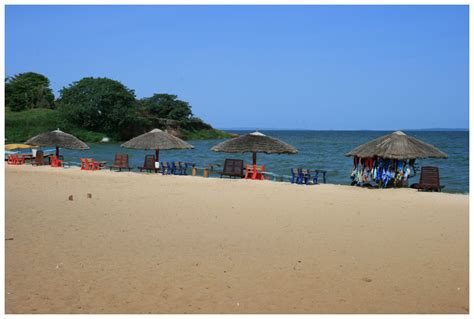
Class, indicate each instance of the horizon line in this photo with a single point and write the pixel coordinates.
(348, 130)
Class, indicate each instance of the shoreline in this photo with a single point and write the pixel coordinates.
(181, 244)
(213, 176)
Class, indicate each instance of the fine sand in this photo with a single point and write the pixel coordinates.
(146, 243)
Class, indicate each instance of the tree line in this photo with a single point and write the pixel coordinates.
(101, 105)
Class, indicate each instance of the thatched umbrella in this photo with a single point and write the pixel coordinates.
(397, 145)
(255, 142)
(58, 139)
(156, 140)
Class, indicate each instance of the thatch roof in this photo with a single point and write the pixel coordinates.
(397, 145)
(58, 138)
(255, 142)
(156, 139)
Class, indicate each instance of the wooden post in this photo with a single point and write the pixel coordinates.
(194, 171)
(206, 172)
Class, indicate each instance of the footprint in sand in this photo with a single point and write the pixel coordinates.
(366, 279)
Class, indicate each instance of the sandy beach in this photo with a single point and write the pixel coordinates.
(146, 243)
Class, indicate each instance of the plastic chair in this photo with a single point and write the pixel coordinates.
(93, 165)
(84, 164)
(56, 162)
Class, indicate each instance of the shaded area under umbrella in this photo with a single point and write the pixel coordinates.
(156, 140)
(254, 143)
(397, 145)
(58, 139)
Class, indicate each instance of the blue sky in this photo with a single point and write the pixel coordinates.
(290, 67)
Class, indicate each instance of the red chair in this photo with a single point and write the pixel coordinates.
(93, 165)
(248, 171)
(56, 162)
(254, 172)
(258, 172)
(15, 159)
(88, 164)
(11, 160)
(84, 164)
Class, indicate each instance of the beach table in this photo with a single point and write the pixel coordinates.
(29, 157)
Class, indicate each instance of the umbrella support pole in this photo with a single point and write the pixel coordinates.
(157, 155)
(254, 158)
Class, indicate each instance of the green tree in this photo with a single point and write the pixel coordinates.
(28, 91)
(100, 105)
(166, 106)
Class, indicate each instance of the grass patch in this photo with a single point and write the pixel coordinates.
(20, 126)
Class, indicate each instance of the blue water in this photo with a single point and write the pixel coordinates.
(317, 150)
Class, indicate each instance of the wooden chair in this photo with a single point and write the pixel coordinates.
(39, 159)
(233, 168)
(149, 164)
(121, 162)
(429, 179)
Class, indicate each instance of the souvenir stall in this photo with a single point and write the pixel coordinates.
(389, 161)
(382, 172)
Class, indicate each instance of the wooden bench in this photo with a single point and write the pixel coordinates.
(120, 162)
(149, 164)
(232, 168)
(429, 179)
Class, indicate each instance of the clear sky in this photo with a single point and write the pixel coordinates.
(291, 67)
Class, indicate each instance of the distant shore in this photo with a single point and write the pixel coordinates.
(146, 243)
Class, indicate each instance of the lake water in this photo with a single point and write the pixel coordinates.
(317, 150)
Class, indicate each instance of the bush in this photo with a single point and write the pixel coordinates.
(99, 105)
(26, 91)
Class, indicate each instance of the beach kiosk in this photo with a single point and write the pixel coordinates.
(388, 161)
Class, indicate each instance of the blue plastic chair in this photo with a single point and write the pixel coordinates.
(165, 168)
(305, 176)
(184, 168)
(315, 177)
(174, 169)
(295, 176)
